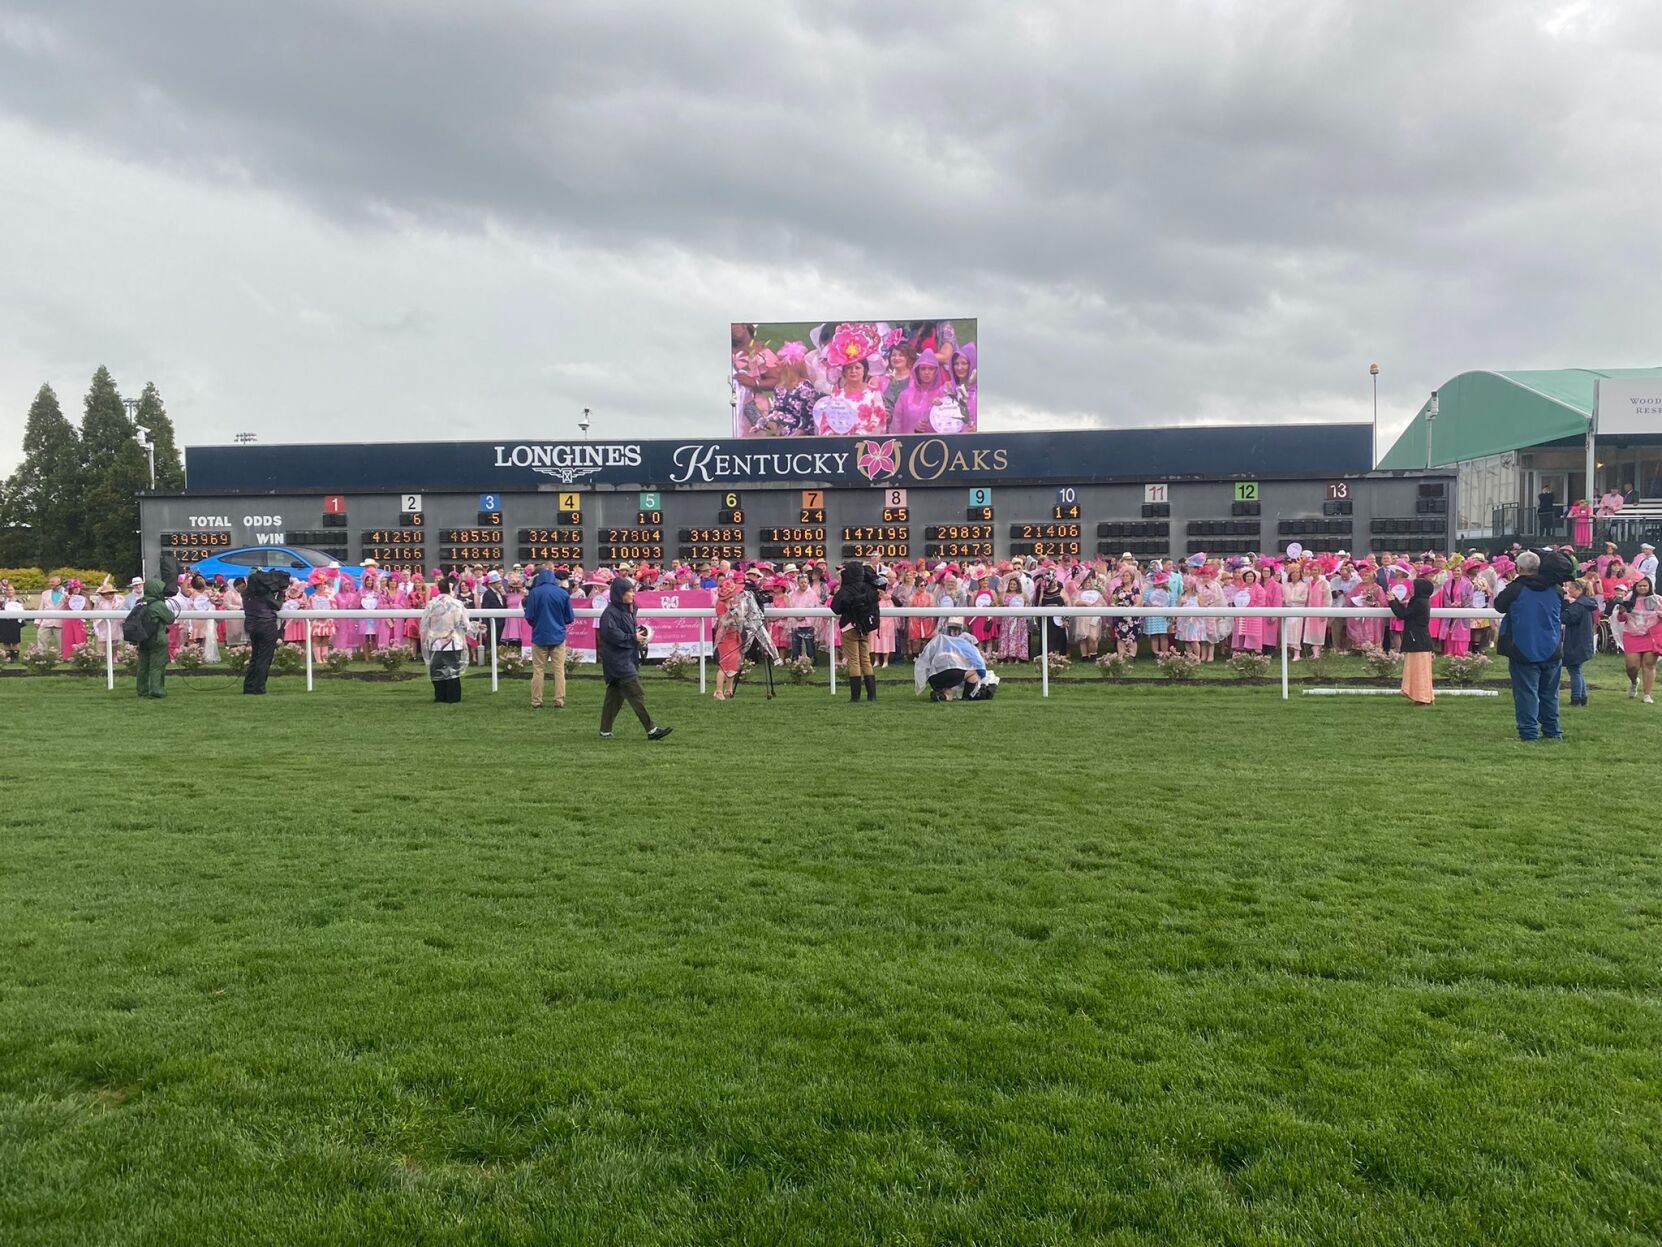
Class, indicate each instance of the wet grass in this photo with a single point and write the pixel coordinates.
(1136, 964)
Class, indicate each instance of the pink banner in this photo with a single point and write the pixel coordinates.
(668, 634)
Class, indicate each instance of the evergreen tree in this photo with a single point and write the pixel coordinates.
(170, 471)
(43, 495)
(116, 470)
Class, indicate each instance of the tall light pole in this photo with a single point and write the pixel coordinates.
(584, 424)
(143, 436)
(1430, 419)
(1373, 371)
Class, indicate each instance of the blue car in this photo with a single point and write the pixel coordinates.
(297, 561)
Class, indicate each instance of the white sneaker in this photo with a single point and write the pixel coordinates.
(1633, 689)
(1649, 700)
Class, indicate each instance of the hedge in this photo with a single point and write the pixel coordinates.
(33, 579)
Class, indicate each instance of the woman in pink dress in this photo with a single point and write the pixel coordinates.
(294, 630)
(1455, 593)
(1321, 595)
(394, 595)
(882, 641)
(853, 409)
(416, 599)
(1639, 620)
(1582, 514)
(323, 630)
(919, 628)
(1273, 596)
(74, 634)
(515, 631)
(1249, 629)
(349, 633)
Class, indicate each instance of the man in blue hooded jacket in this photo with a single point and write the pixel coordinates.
(548, 611)
(1534, 643)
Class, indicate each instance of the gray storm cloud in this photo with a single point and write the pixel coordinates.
(422, 219)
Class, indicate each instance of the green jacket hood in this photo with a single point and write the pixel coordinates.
(153, 590)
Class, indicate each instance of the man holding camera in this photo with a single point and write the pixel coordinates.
(261, 600)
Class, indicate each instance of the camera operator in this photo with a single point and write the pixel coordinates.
(260, 602)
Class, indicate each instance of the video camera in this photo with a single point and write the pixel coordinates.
(268, 584)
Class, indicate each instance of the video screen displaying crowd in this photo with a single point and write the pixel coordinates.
(855, 379)
(1621, 589)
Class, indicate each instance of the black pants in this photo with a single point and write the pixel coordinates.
(447, 690)
(618, 692)
(259, 662)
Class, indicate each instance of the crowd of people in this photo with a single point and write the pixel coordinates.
(856, 379)
(1610, 601)
(1609, 581)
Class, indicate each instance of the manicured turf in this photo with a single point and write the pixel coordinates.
(1137, 964)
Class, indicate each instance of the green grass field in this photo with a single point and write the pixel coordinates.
(1133, 965)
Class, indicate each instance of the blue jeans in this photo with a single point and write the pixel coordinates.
(1578, 682)
(1535, 698)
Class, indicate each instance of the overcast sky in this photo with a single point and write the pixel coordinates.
(414, 219)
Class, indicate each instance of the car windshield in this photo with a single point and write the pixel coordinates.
(315, 557)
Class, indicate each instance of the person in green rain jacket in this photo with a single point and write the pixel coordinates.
(152, 653)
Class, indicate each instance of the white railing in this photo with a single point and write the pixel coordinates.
(785, 612)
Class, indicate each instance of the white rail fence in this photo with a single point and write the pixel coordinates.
(707, 614)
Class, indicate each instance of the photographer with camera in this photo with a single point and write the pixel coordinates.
(261, 599)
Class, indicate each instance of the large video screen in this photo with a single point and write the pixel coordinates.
(853, 378)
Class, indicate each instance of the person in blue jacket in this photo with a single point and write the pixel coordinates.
(620, 639)
(1533, 642)
(548, 611)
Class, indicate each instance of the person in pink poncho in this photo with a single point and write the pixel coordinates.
(914, 410)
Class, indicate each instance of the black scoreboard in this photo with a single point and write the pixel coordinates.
(798, 522)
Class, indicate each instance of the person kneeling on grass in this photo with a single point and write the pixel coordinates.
(620, 640)
(951, 660)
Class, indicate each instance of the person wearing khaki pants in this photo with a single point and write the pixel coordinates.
(540, 656)
(548, 611)
(856, 606)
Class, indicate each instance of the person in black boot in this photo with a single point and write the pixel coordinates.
(260, 603)
(855, 603)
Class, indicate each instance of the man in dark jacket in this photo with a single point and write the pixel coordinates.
(1532, 634)
(260, 604)
(855, 603)
(548, 611)
(619, 640)
(152, 653)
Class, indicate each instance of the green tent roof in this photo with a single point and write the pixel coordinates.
(1486, 413)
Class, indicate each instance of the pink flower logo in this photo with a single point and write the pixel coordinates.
(878, 459)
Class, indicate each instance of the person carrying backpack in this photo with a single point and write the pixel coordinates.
(146, 627)
(857, 610)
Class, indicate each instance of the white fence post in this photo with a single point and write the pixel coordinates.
(308, 655)
(701, 656)
(491, 624)
(109, 654)
(1044, 657)
(833, 655)
(1285, 623)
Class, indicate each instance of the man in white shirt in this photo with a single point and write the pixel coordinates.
(1646, 562)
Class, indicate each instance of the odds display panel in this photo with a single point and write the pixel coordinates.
(600, 527)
